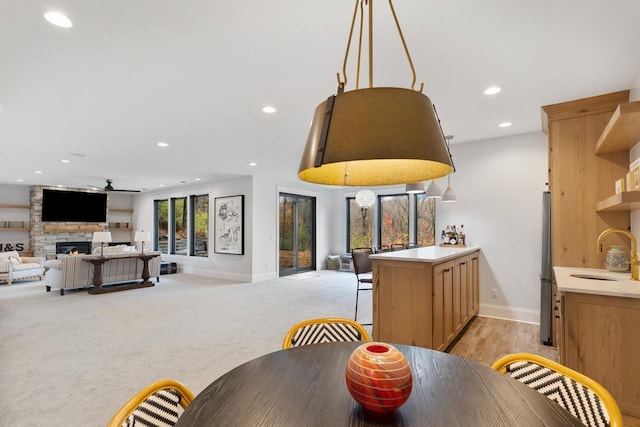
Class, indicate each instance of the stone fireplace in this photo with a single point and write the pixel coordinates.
(45, 238)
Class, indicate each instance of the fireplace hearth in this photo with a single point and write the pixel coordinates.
(69, 247)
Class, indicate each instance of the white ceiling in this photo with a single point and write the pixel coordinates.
(196, 74)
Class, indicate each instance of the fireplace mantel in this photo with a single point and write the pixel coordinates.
(51, 228)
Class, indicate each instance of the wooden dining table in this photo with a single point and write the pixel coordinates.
(305, 386)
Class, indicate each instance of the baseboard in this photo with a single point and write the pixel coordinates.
(189, 269)
(264, 276)
(510, 313)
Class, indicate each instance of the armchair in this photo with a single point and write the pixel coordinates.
(14, 267)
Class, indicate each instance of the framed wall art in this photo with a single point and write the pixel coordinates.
(229, 225)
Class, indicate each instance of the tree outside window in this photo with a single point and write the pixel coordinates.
(162, 226)
(394, 219)
(180, 225)
(200, 220)
(425, 220)
(360, 225)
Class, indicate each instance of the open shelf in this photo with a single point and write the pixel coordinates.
(625, 201)
(121, 210)
(622, 131)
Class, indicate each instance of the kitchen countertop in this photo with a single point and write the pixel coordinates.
(622, 286)
(425, 254)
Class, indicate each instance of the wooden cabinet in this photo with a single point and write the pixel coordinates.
(601, 339)
(402, 302)
(453, 281)
(441, 305)
(579, 178)
(557, 318)
(423, 303)
(473, 284)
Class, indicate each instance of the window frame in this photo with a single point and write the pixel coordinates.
(193, 199)
(380, 214)
(156, 225)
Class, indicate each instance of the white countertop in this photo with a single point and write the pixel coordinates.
(622, 286)
(425, 254)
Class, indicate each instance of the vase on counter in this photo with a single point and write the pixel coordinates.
(617, 259)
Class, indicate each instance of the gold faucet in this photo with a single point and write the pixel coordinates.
(634, 248)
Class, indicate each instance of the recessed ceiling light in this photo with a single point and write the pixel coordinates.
(58, 19)
(77, 155)
(20, 180)
(60, 185)
(162, 144)
(252, 164)
(492, 90)
(196, 179)
(161, 185)
(65, 161)
(505, 124)
(38, 172)
(269, 109)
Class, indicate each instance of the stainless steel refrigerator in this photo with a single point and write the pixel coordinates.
(546, 296)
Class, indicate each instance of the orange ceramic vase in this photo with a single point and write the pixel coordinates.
(379, 377)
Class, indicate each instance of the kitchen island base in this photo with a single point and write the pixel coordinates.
(425, 296)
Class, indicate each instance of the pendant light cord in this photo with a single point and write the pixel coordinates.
(359, 5)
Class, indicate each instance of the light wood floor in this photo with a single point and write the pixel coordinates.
(488, 339)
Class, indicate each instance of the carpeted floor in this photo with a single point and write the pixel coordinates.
(73, 360)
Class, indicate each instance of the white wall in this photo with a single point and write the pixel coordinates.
(234, 267)
(499, 183)
(260, 259)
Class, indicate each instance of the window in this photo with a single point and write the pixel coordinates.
(161, 214)
(393, 219)
(359, 225)
(425, 220)
(179, 216)
(297, 228)
(200, 225)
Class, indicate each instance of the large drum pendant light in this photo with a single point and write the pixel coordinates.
(374, 136)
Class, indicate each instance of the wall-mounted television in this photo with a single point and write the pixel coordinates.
(73, 206)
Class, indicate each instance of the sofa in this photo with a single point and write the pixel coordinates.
(14, 267)
(73, 272)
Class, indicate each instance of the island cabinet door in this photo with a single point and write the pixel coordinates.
(442, 305)
(459, 290)
(473, 284)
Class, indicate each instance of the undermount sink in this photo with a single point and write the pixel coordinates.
(592, 277)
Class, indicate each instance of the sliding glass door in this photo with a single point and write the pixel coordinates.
(297, 229)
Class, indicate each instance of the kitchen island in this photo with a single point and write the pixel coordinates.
(599, 332)
(424, 296)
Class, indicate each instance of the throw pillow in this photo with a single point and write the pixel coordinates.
(9, 255)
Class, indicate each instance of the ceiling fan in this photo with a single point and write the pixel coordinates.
(109, 187)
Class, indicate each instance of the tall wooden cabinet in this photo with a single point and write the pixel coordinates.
(589, 143)
(579, 179)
